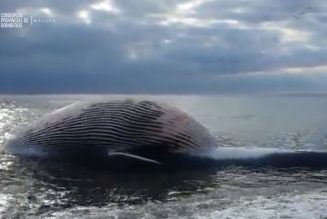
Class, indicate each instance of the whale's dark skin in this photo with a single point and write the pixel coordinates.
(119, 133)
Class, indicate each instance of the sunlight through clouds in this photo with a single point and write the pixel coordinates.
(106, 5)
(47, 11)
(85, 16)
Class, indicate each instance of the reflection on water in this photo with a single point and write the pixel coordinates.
(43, 187)
(33, 188)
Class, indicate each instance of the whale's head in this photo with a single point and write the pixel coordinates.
(19, 145)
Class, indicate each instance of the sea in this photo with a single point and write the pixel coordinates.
(32, 189)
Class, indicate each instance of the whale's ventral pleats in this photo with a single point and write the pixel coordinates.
(144, 131)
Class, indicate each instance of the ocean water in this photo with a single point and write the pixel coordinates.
(32, 189)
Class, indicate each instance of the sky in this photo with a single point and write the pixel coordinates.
(168, 46)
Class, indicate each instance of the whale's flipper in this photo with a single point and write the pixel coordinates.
(133, 156)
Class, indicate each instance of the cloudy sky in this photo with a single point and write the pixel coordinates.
(168, 46)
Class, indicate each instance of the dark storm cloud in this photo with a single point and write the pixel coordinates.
(165, 47)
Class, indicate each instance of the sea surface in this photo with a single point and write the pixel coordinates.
(31, 189)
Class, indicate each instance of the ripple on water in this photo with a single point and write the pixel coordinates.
(4, 202)
(290, 205)
(308, 205)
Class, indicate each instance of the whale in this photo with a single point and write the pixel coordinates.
(138, 134)
(120, 131)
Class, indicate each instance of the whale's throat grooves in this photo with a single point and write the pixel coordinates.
(96, 128)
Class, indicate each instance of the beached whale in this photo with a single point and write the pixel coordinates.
(144, 131)
(133, 133)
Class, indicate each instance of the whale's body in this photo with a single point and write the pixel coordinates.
(131, 133)
(145, 131)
